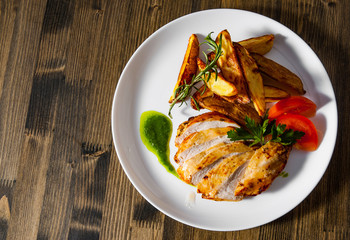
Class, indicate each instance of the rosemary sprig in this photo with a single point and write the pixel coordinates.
(184, 90)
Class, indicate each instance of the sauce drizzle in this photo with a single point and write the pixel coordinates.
(155, 132)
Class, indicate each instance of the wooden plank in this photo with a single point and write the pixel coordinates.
(17, 69)
(8, 16)
(89, 194)
(176, 230)
(4, 216)
(118, 205)
(109, 59)
(53, 109)
(30, 186)
(63, 161)
(77, 167)
(21, 23)
(146, 221)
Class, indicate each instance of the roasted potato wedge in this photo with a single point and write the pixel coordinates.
(202, 93)
(269, 81)
(253, 79)
(273, 94)
(217, 84)
(260, 45)
(230, 66)
(236, 111)
(279, 73)
(189, 65)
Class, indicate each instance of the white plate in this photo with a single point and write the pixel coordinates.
(146, 84)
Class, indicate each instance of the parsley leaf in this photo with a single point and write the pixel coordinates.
(264, 132)
(239, 134)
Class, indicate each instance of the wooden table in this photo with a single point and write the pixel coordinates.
(59, 173)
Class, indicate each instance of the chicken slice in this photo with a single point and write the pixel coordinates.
(265, 165)
(202, 122)
(199, 141)
(227, 191)
(224, 175)
(209, 156)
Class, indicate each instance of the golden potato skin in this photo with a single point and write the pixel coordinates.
(235, 110)
(230, 66)
(279, 73)
(217, 84)
(189, 65)
(274, 94)
(260, 45)
(253, 79)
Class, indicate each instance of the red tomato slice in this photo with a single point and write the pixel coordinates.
(309, 141)
(294, 104)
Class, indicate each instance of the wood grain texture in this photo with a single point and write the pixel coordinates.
(60, 61)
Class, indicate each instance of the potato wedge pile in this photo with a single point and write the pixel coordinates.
(245, 80)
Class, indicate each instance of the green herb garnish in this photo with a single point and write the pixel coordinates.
(283, 174)
(265, 132)
(184, 90)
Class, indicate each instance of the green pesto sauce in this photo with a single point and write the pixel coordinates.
(155, 131)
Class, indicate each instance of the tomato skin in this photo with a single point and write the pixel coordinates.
(295, 105)
(309, 141)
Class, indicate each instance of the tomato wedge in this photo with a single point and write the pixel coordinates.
(309, 141)
(294, 104)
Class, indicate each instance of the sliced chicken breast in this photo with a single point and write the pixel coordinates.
(226, 191)
(220, 168)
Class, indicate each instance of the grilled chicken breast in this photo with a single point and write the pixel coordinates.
(220, 168)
